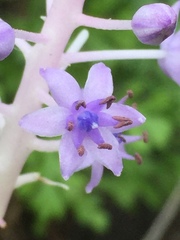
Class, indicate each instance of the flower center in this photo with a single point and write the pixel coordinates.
(87, 121)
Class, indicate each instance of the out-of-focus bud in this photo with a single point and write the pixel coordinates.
(153, 23)
(170, 64)
(7, 39)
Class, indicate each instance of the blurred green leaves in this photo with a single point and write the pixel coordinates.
(157, 98)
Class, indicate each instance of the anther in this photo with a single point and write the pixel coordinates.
(109, 100)
(79, 104)
(134, 105)
(81, 150)
(138, 158)
(105, 146)
(145, 137)
(122, 121)
(130, 93)
(121, 138)
(70, 126)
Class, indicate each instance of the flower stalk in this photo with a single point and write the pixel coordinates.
(89, 56)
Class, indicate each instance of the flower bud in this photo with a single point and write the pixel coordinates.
(153, 23)
(7, 39)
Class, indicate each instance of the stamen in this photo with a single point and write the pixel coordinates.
(105, 146)
(123, 121)
(130, 93)
(138, 158)
(145, 137)
(70, 126)
(134, 105)
(121, 138)
(109, 100)
(79, 104)
(81, 150)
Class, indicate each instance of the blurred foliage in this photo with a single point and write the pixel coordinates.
(157, 97)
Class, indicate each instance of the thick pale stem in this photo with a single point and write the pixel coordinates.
(69, 58)
(15, 143)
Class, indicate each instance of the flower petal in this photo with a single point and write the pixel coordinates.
(69, 158)
(99, 83)
(64, 88)
(118, 109)
(96, 175)
(111, 159)
(46, 122)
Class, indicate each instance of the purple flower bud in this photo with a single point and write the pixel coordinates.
(7, 39)
(153, 23)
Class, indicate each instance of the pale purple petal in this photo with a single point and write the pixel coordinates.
(105, 120)
(111, 159)
(63, 87)
(69, 158)
(46, 122)
(99, 83)
(96, 175)
(118, 109)
(90, 158)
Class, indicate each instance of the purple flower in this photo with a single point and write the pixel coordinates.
(97, 168)
(153, 23)
(170, 64)
(87, 120)
(7, 39)
(125, 139)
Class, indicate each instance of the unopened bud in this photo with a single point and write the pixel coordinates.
(153, 23)
(7, 39)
